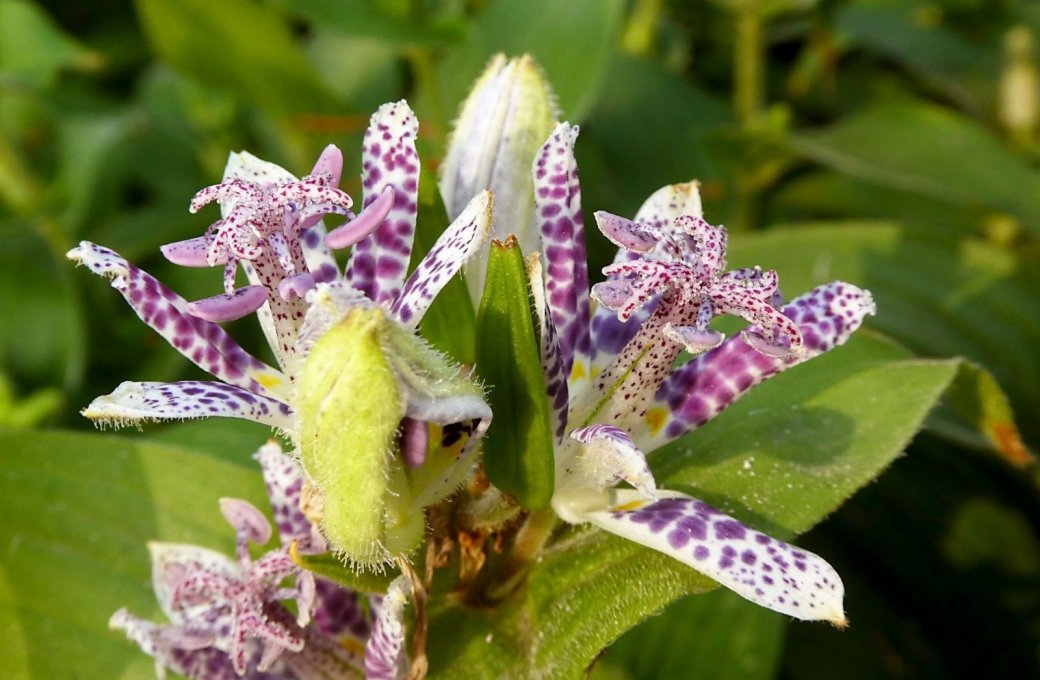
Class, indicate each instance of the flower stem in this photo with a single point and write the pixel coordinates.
(748, 97)
(530, 540)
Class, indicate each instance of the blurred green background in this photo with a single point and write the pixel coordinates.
(896, 140)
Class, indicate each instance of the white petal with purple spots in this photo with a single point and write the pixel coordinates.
(136, 402)
(556, 387)
(379, 262)
(459, 242)
(766, 571)
(557, 195)
(385, 655)
(203, 342)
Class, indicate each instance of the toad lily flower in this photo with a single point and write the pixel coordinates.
(383, 424)
(228, 618)
(615, 395)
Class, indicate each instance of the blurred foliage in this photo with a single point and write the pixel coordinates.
(892, 143)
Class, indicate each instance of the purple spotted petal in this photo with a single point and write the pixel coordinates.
(768, 572)
(705, 386)
(339, 614)
(454, 248)
(242, 302)
(379, 262)
(610, 456)
(283, 478)
(556, 386)
(173, 648)
(203, 342)
(135, 402)
(385, 655)
(558, 212)
(609, 335)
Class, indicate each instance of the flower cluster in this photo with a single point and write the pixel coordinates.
(615, 394)
(228, 618)
(382, 424)
(383, 427)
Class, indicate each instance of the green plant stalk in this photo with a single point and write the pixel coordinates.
(748, 98)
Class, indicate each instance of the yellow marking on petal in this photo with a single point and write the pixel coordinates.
(656, 418)
(625, 507)
(267, 380)
(578, 371)
(353, 645)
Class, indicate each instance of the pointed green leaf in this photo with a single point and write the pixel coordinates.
(936, 296)
(931, 151)
(518, 448)
(78, 510)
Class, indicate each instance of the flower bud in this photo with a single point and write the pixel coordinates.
(373, 395)
(508, 115)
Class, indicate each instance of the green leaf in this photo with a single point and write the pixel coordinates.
(938, 297)
(78, 510)
(42, 338)
(570, 40)
(518, 448)
(927, 150)
(977, 412)
(960, 69)
(33, 49)
(781, 459)
(235, 45)
(364, 18)
(718, 635)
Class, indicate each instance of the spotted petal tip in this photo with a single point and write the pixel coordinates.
(768, 572)
(133, 403)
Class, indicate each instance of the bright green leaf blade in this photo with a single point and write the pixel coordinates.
(939, 298)
(518, 448)
(928, 150)
(570, 40)
(781, 459)
(717, 636)
(33, 49)
(235, 45)
(78, 510)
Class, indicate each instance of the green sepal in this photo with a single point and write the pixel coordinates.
(518, 453)
(331, 567)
